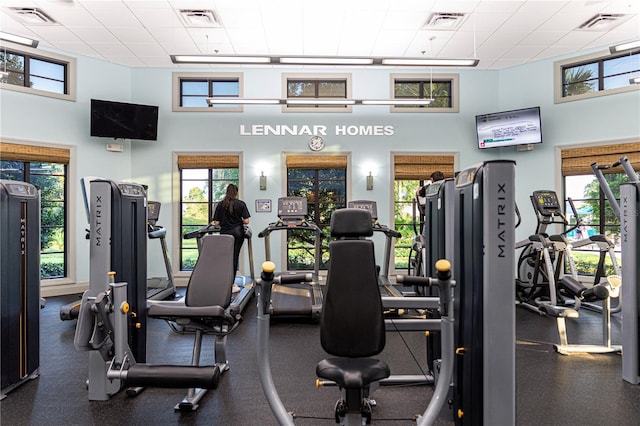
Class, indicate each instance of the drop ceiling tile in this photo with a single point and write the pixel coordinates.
(55, 34)
(112, 13)
(132, 34)
(94, 34)
(157, 17)
(543, 37)
(147, 49)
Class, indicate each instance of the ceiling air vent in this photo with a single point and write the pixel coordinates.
(603, 22)
(444, 21)
(32, 16)
(199, 18)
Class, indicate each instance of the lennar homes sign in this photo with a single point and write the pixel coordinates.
(315, 130)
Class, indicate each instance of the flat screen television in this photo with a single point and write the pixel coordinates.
(120, 120)
(509, 128)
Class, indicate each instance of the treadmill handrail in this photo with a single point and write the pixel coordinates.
(283, 225)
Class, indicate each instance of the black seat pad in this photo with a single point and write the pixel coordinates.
(176, 310)
(352, 372)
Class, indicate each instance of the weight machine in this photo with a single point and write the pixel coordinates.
(19, 284)
(113, 315)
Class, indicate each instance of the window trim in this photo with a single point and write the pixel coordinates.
(582, 60)
(177, 77)
(174, 250)
(70, 278)
(455, 92)
(70, 74)
(318, 76)
(392, 179)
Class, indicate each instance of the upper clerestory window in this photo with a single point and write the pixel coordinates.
(31, 71)
(596, 75)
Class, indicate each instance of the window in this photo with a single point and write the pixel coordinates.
(410, 172)
(31, 72)
(322, 180)
(46, 168)
(317, 86)
(595, 214)
(592, 76)
(191, 90)
(203, 183)
(442, 88)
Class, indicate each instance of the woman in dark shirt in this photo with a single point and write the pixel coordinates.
(232, 214)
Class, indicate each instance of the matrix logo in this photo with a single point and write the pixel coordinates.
(502, 218)
(98, 221)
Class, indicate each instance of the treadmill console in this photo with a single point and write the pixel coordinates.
(546, 203)
(370, 206)
(292, 208)
(153, 211)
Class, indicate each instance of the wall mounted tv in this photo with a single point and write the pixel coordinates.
(121, 120)
(509, 128)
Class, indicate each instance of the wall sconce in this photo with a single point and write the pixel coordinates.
(263, 182)
(369, 182)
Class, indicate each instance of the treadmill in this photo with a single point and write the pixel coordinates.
(239, 300)
(386, 288)
(159, 288)
(303, 299)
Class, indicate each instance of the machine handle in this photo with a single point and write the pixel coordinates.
(293, 278)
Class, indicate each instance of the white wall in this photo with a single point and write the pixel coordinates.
(602, 119)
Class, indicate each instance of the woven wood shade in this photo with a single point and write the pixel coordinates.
(316, 161)
(417, 167)
(577, 161)
(208, 161)
(44, 154)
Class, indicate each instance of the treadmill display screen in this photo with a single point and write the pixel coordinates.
(292, 207)
(370, 206)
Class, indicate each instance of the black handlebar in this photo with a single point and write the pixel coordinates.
(293, 278)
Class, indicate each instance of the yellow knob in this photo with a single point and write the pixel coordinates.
(460, 351)
(443, 265)
(460, 413)
(318, 383)
(427, 334)
(125, 308)
(268, 267)
(138, 325)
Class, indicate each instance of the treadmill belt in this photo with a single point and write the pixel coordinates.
(292, 299)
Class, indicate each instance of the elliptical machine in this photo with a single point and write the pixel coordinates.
(541, 286)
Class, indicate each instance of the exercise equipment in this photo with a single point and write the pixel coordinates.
(484, 266)
(246, 284)
(383, 279)
(435, 242)
(109, 322)
(303, 299)
(550, 293)
(353, 312)
(159, 288)
(629, 226)
(19, 284)
(102, 330)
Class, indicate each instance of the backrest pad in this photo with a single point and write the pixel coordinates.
(212, 276)
(352, 322)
